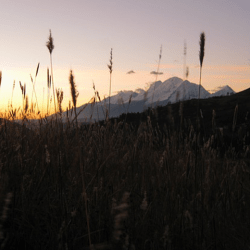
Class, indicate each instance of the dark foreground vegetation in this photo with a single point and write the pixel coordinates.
(148, 181)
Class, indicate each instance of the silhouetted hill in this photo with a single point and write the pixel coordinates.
(226, 110)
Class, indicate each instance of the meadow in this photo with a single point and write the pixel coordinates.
(163, 179)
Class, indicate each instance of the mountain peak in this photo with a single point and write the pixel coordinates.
(225, 90)
(172, 90)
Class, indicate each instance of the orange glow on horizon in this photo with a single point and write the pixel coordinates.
(236, 76)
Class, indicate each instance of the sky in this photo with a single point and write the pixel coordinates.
(85, 31)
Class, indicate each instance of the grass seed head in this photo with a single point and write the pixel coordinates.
(74, 92)
(50, 43)
(202, 47)
(110, 66)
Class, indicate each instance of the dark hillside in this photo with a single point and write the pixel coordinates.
(218, 113)
(141, 181)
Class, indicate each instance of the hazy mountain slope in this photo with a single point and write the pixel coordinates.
(226, 90)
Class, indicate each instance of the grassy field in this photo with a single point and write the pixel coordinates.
(167, 178)
(142, 181)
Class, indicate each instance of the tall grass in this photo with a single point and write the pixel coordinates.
(66, 185)
(138, 183)
(202, 53)
(74, 92)
(110, 66)
(50, 46)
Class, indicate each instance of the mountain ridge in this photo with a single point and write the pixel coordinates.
(170, 91)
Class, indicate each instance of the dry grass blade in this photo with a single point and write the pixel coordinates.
(48, 78)
(37, 69)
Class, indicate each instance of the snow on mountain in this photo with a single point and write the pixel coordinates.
(188, 91)
(122, 97)
(159, 91)
(226, 90)
(169, 91)
(163, 91)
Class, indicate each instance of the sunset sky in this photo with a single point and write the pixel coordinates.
(85, 31)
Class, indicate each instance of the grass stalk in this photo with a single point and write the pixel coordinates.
(157, 73)
(74, 92)
(50, 46)
(110, 66)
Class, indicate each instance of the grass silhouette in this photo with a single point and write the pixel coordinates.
(138, 181)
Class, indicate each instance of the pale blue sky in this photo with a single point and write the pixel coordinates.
(85, 31)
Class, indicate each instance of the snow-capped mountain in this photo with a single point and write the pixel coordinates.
(226, 90)
(172, 90)
(169, 91)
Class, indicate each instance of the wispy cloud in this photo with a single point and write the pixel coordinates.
(131, 72)
(156, 73)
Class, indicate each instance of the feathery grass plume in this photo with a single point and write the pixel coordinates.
(74, 92)
(50, 46)
(110, 66)
(202, 53)
(59, 95)
(50, 43)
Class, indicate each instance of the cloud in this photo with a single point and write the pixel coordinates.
(156, 73)
(131, 72)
